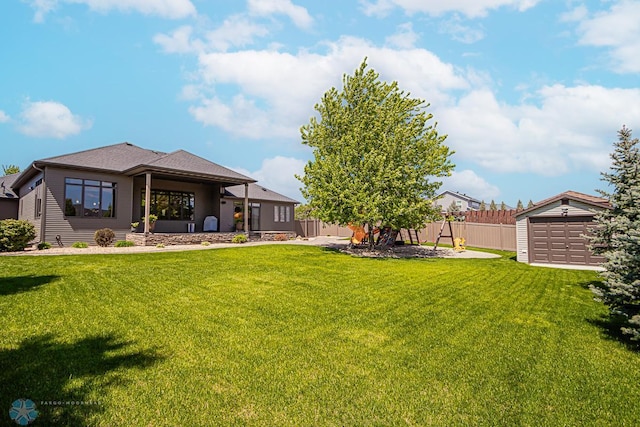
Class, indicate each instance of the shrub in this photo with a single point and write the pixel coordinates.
(160, 245)
(15, 234)
(124, 244)
(239, 238)
(44, 245)
(280, 237)
(104, 237)
(205, 243)
(80, 245)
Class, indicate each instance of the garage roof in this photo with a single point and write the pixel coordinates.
(595, 201)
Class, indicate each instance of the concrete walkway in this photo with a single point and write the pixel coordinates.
(324, 241)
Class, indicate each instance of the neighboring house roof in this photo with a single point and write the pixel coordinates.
(594, 201)
(130, 159)
(458, 195)
(257, 192)
(5, 186)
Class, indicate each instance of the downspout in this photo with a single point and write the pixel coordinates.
(246, 208)
(43, 208)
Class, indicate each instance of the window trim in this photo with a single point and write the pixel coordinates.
(102, 185)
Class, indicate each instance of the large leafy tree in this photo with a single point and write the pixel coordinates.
(617, 236)
(376, 155)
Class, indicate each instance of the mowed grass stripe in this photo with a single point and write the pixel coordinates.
(289, 335)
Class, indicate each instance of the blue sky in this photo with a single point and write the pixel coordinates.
(530, 93)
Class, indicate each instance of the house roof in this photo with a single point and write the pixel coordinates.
(594, 201)
(257, 192)
(458, 195)
(130, 159)
(5, 186)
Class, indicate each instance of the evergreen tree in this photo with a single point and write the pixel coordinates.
(617, 236)
(493, 206)
(453, 207)
(11, 169)
(377, 156)
(530, 204)
(483, 206)
(519, 206)
(503, 206)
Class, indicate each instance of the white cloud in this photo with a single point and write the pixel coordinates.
(404, 38)
(468, 182)
(569, 129)
(576, 14)
(4, 118)
(171, 9)
(236, 31)
(278, 174)
(50, 119)
(618, 30)
(460, 32)
(179, 41)
(42, 7)
(241, 117)
(469, 8)
(276, 91)
(298, 14)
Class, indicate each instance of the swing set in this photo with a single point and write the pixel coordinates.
(457, 242)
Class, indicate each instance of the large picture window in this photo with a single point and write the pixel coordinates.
(89, 198)
(171, 205)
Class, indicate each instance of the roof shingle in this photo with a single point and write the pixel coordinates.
(258, 192)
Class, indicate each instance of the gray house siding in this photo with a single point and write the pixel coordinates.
(82, 229)
(463, 202)
(27, 206)
(225, 220)
(266, 222)
(8, 209)
(267, 217)
(207, 202)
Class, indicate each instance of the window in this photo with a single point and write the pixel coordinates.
(89, 198)
(38, 199)
(171, 205)
(38, 206)
(282, 214)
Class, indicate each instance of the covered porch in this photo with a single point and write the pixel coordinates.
(184, 202)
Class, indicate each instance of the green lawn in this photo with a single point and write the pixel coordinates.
(293, 335)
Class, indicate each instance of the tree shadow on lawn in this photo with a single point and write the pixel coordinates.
(66, 380)
(610, 324)
(20, 284)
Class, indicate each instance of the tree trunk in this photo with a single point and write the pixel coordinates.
(371, 237)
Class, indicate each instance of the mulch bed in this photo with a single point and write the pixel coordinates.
(405, 251)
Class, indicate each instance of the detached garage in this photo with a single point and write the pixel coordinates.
(551, 232)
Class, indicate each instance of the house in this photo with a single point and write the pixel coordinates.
(268, 210)
(8, 199)
(462, 201)
(552, 231)
(75, 194)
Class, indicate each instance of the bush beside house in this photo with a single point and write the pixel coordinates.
(15, 234)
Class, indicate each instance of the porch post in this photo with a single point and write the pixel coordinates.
(246, 208)
(147, 202)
